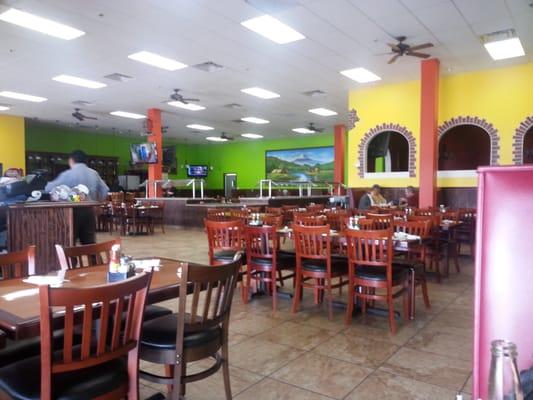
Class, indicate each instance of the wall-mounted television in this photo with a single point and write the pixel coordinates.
(197, 171)
(143, 153)
(170, 164)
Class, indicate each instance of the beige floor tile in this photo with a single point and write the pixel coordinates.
(427, 367)
(381, 385)
(249, 323)
(300, 336)
(269, 389)
(262, 357)
(357, 349)
(321, 374)
(444, 340)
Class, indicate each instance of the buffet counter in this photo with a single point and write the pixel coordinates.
(188, 212)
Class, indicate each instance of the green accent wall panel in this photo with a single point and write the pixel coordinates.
(245, 158)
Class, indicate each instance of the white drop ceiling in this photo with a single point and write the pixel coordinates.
(340, 34)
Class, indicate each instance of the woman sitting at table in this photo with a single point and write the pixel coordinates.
(410, 199)
(372, 198)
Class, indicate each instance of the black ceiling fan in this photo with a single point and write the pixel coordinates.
(403, 49)
(177, 96)
(224, 135)
(311, 126)
(81, 117)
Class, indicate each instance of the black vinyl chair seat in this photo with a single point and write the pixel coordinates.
(286, 259)
(22, 380)
(417, 265)
(338, 265)
(160, 333)
(226, 256)
(379, 274)
(153, 311)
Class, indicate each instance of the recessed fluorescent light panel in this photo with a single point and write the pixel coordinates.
(361, 75)
(273, 29)
(22, 96)
(255, 120)
(252, 135)
(39, 24)
(186, 106)
(4, 108)
(503, 49)
(126, 114)
(324, 112)
(73, 80)
(200, 127)
(303, 130)
(261, 93)
(216, 139)
(157, 61)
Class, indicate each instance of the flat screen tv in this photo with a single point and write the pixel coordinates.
(143, 153)
(170, 163)
(197, 171)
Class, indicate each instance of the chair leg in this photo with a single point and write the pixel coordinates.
(350, 304)
(169, 371)
(363, 290)
(406, 300)
(330, 297)
(412, 293)
(390, 304)
(425, 295)
(274, 285)
(246, 286)
(225, 370)
(297, 292)
(280, 278)
(182, 384)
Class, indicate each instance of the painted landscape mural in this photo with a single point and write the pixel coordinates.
(300, 165)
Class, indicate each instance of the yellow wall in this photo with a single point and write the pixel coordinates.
(501, 96)
(12, 147)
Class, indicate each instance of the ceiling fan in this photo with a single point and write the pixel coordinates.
(403, 49)
(311, 126)
(177, 96)
(81, 117)
(224, 135)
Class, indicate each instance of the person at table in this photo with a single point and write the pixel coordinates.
(80, 173)
(372, 198)
(410, 199)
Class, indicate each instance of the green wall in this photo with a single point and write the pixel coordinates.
(245, 158)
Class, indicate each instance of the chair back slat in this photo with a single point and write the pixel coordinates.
(196, 315)
(18, 264)
(420, 228)
(273, 220)
(86, 255)
(381, 221)
(90, 303)
(224, 235)
(261, 242)
(370, 248)
(313, 242)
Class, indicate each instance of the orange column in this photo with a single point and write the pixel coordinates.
(155, 171)
(429, 103)
(339, 133)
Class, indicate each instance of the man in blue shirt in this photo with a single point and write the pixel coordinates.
(80, 173)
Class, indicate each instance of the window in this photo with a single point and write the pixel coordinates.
(464, 147)
(528, 147)
(387, 152)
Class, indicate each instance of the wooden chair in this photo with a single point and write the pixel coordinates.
(370, 255)
(273, 220)
(306, 220)
(262, 246)
(241, 214)
(288, 213)
(225, 239)
(137, 221)
(117, 197)
(274, 210)
(335, 219)
(18, 264)
(314, 208)
(218, 214)
(91, 255)
(414, 260)
(381, 221)
(314, 262)
(199, 329)
(157, 215)
(104, 366)
(435, 248)
(449, 238)
(466, 233)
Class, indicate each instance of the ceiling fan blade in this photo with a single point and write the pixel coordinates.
(89, 117)
(419, 55)
(394, 47)
(421, 46)
(189, 99)
(394, 58)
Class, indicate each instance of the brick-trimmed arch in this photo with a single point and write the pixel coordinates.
(481, 123)
(368, 136)
(518, 139)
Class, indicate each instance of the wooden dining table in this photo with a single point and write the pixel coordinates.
(19, 300)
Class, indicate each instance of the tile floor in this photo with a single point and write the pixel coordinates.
(305, 356)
